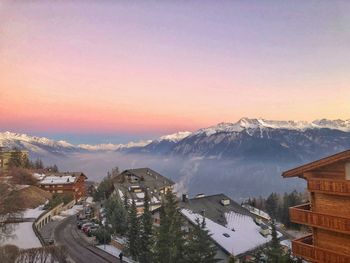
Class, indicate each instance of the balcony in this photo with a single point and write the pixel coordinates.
(304, 248)
(302, 214)
(329, 186)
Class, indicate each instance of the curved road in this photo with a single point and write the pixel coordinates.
(67, 234)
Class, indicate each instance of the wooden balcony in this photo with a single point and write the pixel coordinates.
(304, 248)
(302, 214)
(329, 186)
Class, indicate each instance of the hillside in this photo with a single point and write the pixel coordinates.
(33, 196)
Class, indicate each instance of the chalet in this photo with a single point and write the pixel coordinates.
(65, 183)
(133, 183)
(232, 227)
(328, 213)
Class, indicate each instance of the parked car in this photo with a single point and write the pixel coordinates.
(86, 226)
(81, 222)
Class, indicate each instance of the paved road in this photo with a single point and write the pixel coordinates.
(67, 234)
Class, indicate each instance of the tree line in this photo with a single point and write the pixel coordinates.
(168, 243)
(277, 205)
(19, 160)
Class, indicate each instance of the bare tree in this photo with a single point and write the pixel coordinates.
(9, 253)
(11, 207)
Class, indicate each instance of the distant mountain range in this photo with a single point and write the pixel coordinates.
(240, 159)
(247, 139)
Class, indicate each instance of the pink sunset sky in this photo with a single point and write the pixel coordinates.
(162, 66)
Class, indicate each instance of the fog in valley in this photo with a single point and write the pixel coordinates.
(235, 178)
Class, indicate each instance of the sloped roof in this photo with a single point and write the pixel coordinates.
(212, 207)
(231, 226)
(149, 175)
(298, 171)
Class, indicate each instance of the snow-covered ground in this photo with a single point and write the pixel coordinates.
(89, 200)
(33, 213)
(72, 211)
(238, 236)
(23, 236)
(115, 252)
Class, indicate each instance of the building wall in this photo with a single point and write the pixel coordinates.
(77, 189)
(331, 204)
(332, 240)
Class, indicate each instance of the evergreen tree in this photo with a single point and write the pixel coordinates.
(133, 232)
(199, 247)
(232, 259)
(146, 255)
(38, 164)
(272, 205)
(170, 240)
(275, 253)
(55, 168)
(116, 215)
(16, 159)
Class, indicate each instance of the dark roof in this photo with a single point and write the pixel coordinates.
(146, 179)
(149, 175)
(212, 207)
(298, 171)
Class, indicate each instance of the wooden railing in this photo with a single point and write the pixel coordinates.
(303, 215)
(331, 186)
(304, 248)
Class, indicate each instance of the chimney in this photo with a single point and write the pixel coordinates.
(185, 198)
(225, 202)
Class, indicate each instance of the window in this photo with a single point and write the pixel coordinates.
(59, 191)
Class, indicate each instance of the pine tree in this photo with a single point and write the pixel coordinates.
(146, 255)
(170, 240)
(39, 164)
(116, 215)
(133, 232)
(274, 253)
(55, 168)
(16, 159)
(272, 205)
(200, 248)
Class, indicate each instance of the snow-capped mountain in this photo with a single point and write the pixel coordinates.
(260, 139)
(252, 124)
(253, 138)
(41, 146)
(175, 137)
(38, 145)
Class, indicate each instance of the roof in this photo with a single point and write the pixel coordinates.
(212, 207)
(149, 175)
(134, 182)
(61, 178)
(298, 171)
(231, 226)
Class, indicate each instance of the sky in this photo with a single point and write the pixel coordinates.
(121, 70)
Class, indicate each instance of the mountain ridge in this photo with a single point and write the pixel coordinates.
(181, 142)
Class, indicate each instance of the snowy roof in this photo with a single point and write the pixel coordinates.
(66, 179)
(257, 212)
(39, 176)
(241, 233)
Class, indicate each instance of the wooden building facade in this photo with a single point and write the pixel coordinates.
(328, 213)
(65, 183)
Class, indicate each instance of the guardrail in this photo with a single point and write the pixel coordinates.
(46, 217)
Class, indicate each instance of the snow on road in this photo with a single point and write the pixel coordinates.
(115, 252)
